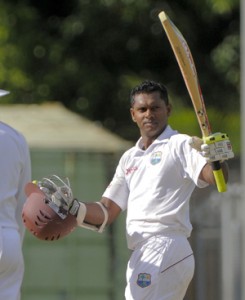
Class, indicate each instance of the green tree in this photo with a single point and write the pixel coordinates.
(88, 54)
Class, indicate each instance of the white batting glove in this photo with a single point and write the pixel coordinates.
(216, 147)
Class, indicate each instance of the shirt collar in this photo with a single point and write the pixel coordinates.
(166, 134)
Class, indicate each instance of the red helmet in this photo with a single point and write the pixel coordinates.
(42, 220)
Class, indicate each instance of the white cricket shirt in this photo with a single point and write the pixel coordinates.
(155, 186)
(15, 172)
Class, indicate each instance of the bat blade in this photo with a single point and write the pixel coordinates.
(187, 67)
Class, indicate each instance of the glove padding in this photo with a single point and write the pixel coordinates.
(215, 147)
(58, 192)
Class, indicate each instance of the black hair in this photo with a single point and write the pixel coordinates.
(148, 87)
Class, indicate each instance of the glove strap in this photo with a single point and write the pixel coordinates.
(81, 213)
(104, 209)
(81, 216)
(74, 208)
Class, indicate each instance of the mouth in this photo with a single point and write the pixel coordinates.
(150, 123)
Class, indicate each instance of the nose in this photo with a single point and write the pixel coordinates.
(148, 113)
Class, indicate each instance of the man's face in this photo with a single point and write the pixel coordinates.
(151, 113)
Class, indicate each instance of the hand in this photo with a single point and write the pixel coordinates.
(216, 147)
(58, 194)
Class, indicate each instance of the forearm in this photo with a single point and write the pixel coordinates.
(94, 214)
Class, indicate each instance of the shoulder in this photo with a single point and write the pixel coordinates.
(172, 136)
(179, 138)
(179, 143)
(9, 133)
(128, 153)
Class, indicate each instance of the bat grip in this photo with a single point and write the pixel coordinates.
(219, 176)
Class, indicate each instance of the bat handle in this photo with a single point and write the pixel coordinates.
(219, 176)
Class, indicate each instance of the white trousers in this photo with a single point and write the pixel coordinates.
(161, 268)
(11, 264)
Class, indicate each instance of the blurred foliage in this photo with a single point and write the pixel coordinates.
(185, 121)
(89, 54)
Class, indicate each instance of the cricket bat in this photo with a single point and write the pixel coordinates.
(187, 66)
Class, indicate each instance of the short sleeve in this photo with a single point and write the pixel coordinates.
(118, 190)
(191, 160)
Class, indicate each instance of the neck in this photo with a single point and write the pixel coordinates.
(148, 140)
(146, 143)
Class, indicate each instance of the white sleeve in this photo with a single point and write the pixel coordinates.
(194, 165)
(118, 190)
(191, 160)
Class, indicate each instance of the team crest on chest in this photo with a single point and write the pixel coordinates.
(156, 157)
(144, 280)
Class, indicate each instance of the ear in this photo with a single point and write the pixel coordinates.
(169, 109)
(132, 114)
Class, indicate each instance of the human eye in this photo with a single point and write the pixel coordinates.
(141, 109)
(155, 108)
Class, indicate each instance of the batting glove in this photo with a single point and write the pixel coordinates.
(58, 193)
(215, 147)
